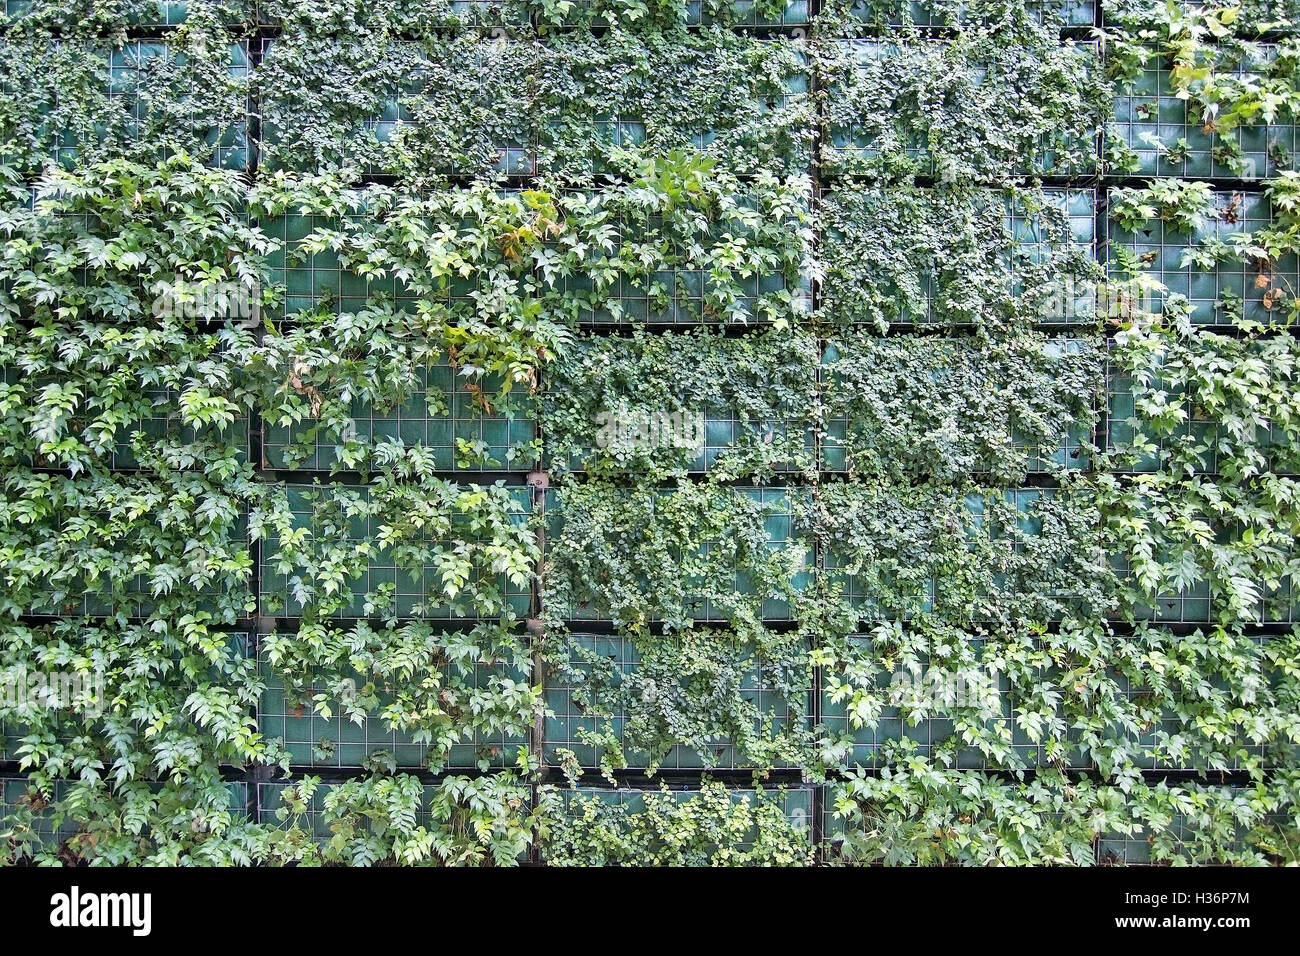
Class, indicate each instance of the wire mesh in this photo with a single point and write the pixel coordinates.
(444, 415)
(339, 741)
(413, 592)
(598, 669)
(585, 605)
(1232, 290)
(1171, 140)
(850, 148)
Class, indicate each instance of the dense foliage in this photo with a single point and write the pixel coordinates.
(425, 424)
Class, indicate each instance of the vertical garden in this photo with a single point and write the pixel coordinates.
(649, 432)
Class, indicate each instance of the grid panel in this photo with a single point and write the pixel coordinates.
(1171, 141)
(1198, 427)
(15, 789)
(127, 75)
(341, 743)
(410, 594)
(1281, 16)
(72, 725)
(970, 514)
(793, 13)
(1029, 525)
(269, 797)
(796, 802)
(1146, 744)
(128, 69)
(851, 142)
(80, 223)
(1188, 605)
(723, 430)
(1033, 236)
(1179, 836)
(946, 689)
(853, 590)
(570, 700)
(1068, 451)
(139, 599)
(1198, 603)
(1037, 239)
(167, 13)
(779, 524)
(836, 831)
(930, 733)
(674, 297)
(848, 147)
(288, 14)
(1074, 13)
(1214, 295)
(419, 89)
(719, 430)
(319, 277)
(781, 536)
(514, 158)
(164, 423)
(443, 415)
(1132, 849)
(139, 13)
(738, 13)
(627, 129)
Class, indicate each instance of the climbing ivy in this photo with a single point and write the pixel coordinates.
(711, 828)
(903, 255)
(1082, 696)
(68, 97)
(960, 553)
(685, 694)
(704, 493)
(1003, 99)
(927, 815)
(415, 680)
(636, 555)
(629, 406)
(947, 408)
(395, 819)
(575, 107)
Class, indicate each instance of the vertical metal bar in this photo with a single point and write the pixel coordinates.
(814, 305)
(1101, 211)
(254, 775)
